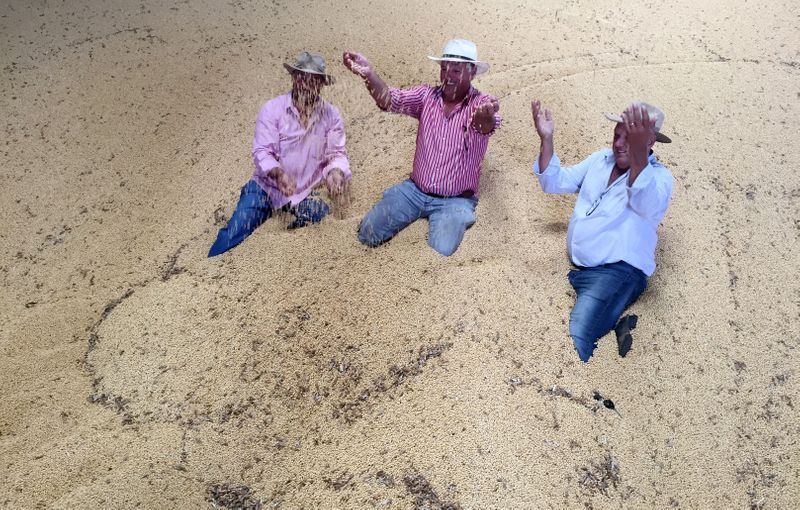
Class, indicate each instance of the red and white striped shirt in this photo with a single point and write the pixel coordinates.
(449, 150)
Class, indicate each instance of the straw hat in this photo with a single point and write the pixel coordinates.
(461, 50)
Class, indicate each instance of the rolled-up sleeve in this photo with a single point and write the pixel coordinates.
(266, 141)
(497, 121)
(335, 150)
(408, 101)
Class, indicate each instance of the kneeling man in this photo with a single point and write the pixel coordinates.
(299, 142)
(455, 123)
(623, 193)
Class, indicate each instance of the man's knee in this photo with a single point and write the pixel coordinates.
(583, 348)
(583, 327)
(444, 247)
(311, 210)
(583, 339)
(448, 229)
(367, 234)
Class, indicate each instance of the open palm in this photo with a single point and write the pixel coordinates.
(543, 120)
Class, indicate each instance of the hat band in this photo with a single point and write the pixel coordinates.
(450, 55)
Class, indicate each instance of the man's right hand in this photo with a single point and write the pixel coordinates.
(286, 183)
(545, 125)
(543, 120)
(360, 66)
(357, 63)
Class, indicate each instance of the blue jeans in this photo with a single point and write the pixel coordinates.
(603, 293)
(254, 208)
(404, 203)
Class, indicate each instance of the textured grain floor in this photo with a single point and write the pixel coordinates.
(302, 370)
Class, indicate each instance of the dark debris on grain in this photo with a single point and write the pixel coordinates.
(233, 497)
(425, 497)
(601, 476)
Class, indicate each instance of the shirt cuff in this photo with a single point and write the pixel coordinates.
(497, 121)
(554, 163)
(395, 104)
(340, 163)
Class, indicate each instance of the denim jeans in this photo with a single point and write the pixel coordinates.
(603, 293)
(254, 208)
(404, 203)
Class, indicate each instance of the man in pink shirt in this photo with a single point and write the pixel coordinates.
(455, 123)
(299, 141)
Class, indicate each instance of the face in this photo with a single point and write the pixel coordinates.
(306, 86)
(456, 78)
(620, 147)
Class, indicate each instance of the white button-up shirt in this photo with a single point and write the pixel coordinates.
(621, 222)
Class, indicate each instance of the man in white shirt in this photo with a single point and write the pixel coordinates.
(623, 193)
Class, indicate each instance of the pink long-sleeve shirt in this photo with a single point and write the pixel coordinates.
(306, 153)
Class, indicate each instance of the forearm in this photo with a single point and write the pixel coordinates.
(378, 90)
(545, 152)
(638, 164)
(266, 142)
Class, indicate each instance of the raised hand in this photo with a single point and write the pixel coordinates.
(545, 125)
(543, 120)
(483, 116)
(357, 64)
(640, 134)
(360, 66)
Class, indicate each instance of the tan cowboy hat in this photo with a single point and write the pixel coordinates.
(655, 113)
(312, 63)
(461, 50)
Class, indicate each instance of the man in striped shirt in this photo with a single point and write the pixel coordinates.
(455, 123)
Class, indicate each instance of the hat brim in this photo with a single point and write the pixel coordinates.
(329, 80)
(660, 137)
(482, 67)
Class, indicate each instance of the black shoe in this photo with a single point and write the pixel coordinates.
(623, 331)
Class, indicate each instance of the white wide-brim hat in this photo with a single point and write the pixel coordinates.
(461, 50)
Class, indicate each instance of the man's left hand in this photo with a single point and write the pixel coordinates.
(483, 117)
(335, 182)
(338, 191)
(640, 135)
